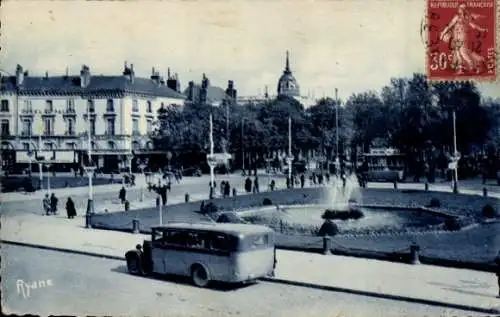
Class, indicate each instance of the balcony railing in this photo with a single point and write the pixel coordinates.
(49, 110)
(26, 133)
(70, 133)
(27, 110)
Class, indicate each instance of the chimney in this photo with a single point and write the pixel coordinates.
(128, 72)
(84, 76)
(19, 75)
(173, 82)
(230, 91)
(190, 95)
(155, 76)
(204, 90)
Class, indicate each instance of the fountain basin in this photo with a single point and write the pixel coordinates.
(375, 219)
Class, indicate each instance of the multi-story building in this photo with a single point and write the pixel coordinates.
(52, 116)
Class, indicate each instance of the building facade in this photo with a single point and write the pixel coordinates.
(52, 117)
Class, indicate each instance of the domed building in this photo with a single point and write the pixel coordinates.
(287, 84)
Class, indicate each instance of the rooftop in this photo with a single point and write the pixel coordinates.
(233, 228)
(61, 85)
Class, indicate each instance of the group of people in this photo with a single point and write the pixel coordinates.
(50, 206)
(248, 185)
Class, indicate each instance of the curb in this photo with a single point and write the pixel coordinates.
(384, 296)
(38, 246)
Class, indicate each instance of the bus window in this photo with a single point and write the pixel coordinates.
(256, 241)
(196, 240)
(222, 242)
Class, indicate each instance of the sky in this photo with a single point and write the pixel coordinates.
(352, 45)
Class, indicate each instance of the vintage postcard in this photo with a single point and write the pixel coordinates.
(250, 158)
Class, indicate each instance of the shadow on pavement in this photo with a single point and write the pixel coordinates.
(184, 280)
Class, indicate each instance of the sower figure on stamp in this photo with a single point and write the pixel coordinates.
(456, 34)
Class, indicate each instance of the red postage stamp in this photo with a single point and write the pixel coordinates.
(461, 39)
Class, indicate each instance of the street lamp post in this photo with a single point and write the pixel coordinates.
(242, 148)
(337, 159)
(455, 154)
(90, 168)
(142, 167)
(290, 157)
(48, 165)
(211, 158)
(40, 167)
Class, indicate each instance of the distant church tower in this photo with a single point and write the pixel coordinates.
(287, 84)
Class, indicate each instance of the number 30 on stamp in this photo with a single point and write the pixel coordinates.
(461, 39)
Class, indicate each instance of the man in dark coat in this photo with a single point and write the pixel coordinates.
(302, 180)
(122, 195)
(163, 194)
(227, 189)
(70, 208)
(256, 185)
(53, 203)
(248, 185)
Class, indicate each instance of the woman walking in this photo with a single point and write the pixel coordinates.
(70, 208)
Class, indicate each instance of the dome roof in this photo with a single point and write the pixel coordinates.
(287, 84)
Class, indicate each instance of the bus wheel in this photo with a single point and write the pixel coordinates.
(199, 275)
(134, 265)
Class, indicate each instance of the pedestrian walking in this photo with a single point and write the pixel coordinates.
(272, 185)
(497, 261)
(163, 193)
(132, 180)
(256, 185)
(46, 204)
(70, 208)
(122, 195)
(248, 185)
(302, 180)
(53, 203)
(222, 188)
(227, 189)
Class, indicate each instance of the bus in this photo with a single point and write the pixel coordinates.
(384, 164)
(206, 252)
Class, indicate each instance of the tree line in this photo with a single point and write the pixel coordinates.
(410, 114)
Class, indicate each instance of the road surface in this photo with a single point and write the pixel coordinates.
(72, 284)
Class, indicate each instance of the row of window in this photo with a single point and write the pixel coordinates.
(195, 240)
(49, 146)
(27, 126)
(70, 106)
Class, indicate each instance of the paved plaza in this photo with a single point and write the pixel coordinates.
(456, 288)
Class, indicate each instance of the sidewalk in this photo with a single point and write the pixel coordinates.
(457, 288)
(470, 187)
